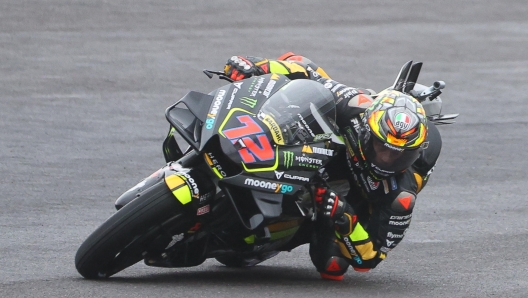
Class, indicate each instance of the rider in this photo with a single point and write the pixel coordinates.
(391, 151)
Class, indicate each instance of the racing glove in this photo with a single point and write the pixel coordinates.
(238, 68)
(337, 210)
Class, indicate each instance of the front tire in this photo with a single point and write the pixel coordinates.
(123, 239)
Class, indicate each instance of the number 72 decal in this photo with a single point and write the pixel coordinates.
(256, 144)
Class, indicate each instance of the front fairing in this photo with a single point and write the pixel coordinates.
(258, 132)
(267, 127)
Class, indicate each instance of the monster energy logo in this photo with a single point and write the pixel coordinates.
(288, 159)
(250, 102)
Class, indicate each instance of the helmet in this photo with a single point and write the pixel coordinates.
(393, 133)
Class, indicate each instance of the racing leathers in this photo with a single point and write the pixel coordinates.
(378, 210)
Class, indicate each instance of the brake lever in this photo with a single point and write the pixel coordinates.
(221, 75)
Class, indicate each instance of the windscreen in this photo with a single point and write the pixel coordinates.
(302, 109)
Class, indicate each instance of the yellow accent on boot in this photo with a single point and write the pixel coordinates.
(366, 251)
(419, 181)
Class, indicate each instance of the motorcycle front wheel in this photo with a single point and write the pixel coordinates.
(131, 232)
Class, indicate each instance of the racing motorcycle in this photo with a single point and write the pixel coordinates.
(243, 189)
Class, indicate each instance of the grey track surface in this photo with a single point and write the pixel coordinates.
(84, 85)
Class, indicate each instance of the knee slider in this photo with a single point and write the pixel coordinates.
(335, 266)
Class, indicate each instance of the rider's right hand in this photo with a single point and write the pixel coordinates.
(332, 206)
(238, 68)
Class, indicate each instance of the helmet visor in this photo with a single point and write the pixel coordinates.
(389, 159)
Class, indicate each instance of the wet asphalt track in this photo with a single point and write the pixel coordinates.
(84, 85)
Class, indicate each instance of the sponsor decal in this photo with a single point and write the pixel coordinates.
(406, 201)
(403, 121)
(321, 137)
(302, 161)
(343, 91)
(279, 175)
(230, 102)
(358, 260)
(288, 159)
(256, 87)
(308, 160)
(275, 187)
(389, 243)
(295, 177)
(372, 184)
(213, 163)
(398, 217)
(305, 125)
(204, 198)
(399, 223)
(191, 183)
(355, 123)
(203, 210)
(394, 184)
(392, 147)
(317, 150)
(275, 130)
(385, 186)
(365, 183)
(364, 100)
(261, 148)
(268, 88)
(217, 102)
(376, 168)
(328, 85)
(395, 236)
(351, 94)
(337, 87)
(310, 166)
(349, 245)
(250, 102)
(333, 266)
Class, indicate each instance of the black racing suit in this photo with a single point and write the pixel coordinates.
(383, 207)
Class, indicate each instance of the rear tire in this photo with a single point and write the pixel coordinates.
(123, 239)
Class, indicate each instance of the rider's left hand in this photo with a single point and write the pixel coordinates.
(238, 68)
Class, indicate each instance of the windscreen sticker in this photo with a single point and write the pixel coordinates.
(217, 102)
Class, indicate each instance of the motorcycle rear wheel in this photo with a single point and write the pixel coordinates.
(126, 236)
